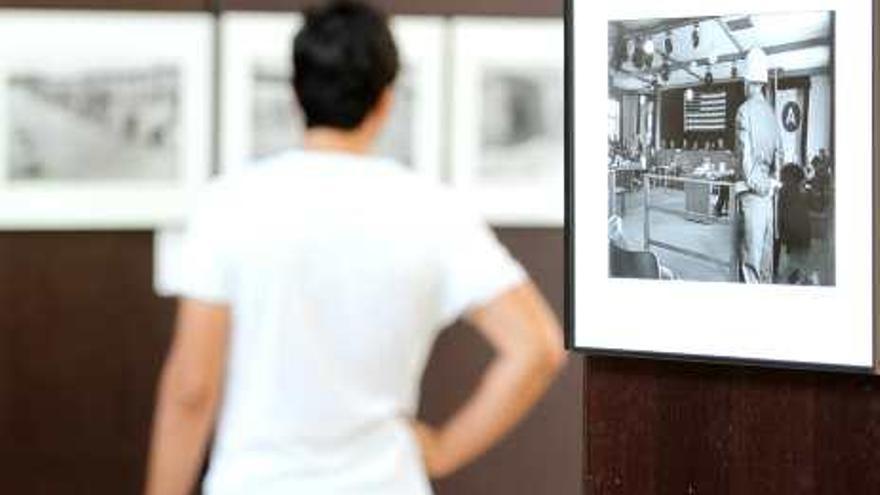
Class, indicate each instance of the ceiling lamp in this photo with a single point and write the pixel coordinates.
(695, 36)
(709, 78)
(648, 49)
(667, 44)
(665, 72)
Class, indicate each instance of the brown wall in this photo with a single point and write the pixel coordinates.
(82, 338)
(427, 7)
(657, 428)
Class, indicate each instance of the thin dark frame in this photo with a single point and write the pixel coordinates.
(569, 235)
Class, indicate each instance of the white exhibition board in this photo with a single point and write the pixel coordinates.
(75, 47)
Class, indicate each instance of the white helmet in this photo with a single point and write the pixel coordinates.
(757, 66)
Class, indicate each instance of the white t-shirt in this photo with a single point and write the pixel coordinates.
(339, 270)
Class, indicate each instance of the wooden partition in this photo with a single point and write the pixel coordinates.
(664, 427)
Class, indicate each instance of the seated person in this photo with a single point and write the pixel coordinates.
(617, 238)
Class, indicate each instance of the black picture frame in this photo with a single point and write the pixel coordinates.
(570, 234)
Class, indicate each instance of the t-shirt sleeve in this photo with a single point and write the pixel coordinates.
(478, 268)
(205, 266)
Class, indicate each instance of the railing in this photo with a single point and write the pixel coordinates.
(731, 264)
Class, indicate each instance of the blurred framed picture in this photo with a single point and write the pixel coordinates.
(260, 116)
(105, 118)
(507, 122)
(719, 225)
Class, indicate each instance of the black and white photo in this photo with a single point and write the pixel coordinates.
(276, 117)
(95, 125)
(508, 127)
(522, 128)
(105, 118)
(261, 116)
(719, 180)
(720, 151)
(277, 121)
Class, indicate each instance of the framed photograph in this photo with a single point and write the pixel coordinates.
(731, 216)
(507, 123)
(260, 116)
(105, 118)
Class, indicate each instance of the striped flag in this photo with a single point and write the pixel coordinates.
(706, 112)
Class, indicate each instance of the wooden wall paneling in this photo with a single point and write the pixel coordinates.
(666, 427)
(772, 418)
(847, 433)
(540, 8)
(84, 336)
(620, 416)
(692, 431)
(549, 8)
(543, 456)
(140, 5)
(6, 356)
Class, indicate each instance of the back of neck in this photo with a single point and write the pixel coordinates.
(330, 140)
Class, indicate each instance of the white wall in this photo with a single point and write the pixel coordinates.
(819, 121)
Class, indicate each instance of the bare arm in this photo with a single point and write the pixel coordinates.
(529, 352)
(189, 392)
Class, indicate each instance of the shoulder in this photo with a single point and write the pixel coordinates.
(224, 194)
(209, 203)
(402, 178)
(253, 176)
(425, 197)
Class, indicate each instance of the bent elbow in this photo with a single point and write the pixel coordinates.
(191, 394)
(193, 399)
(553, 359)
(546, 359)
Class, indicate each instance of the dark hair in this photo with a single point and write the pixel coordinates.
(344, 57)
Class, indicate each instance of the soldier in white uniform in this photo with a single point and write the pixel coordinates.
(759, 152)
